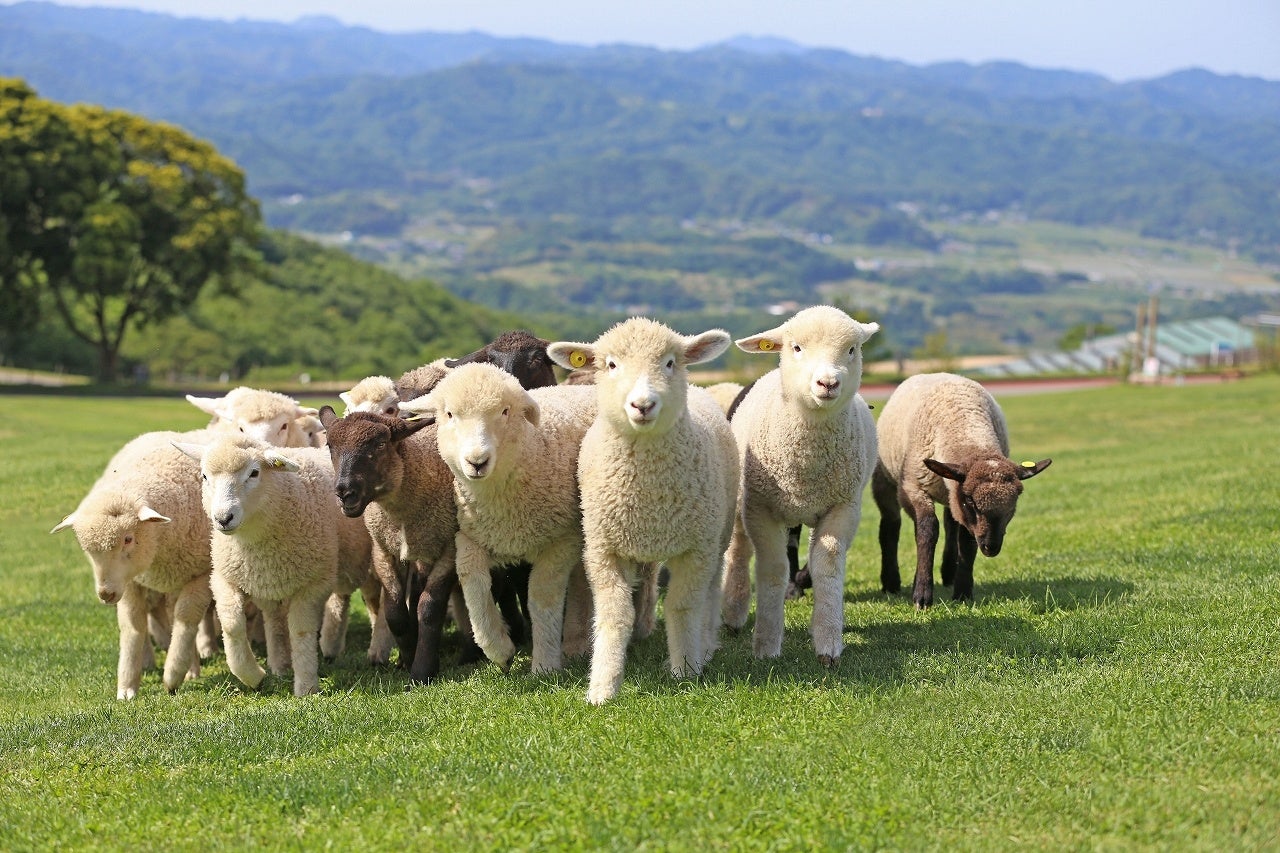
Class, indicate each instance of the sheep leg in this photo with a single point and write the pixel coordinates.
(769, 539)
(548, 583)
(303, 618)
(950, 547)
(397, 603)
(380, 639)
(885, 494)
(684, 609)
(645, 600)
(736, 589)
(207, 634)
(926, 522)
(433, 606)
(190, 606)
(160, 621)
(468, 651)
(577, 614)
(827, 551)
(333, 628)
(794, 590)
(491, 635)
(131, 617)
(966, 551)
(275, 621)
(508, 582)
(611, 582)
(235, 632)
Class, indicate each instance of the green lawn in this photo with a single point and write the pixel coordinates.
(1114, 686)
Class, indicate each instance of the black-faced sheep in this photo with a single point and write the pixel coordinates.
(943, 439)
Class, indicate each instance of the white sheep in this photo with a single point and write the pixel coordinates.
(943, 439)
(513, 454)
(725, 393)
(267, 416)
(658, 471)
(144, 532)
(280, 540)
(371, 394)
(808, 445)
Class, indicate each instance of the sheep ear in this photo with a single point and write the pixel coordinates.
(402, 429)
(866, 330)
(480, 356)
(195, 451)
(571, 355)
(345, 397)
(706, 346)
(425, 407)
(1027, 470)
(65, 523)
(208, 405)
(327, 416)
(149, 514)
(942, 469)
(766, 342)
(305, 411)
(280, 462)
(532, 412)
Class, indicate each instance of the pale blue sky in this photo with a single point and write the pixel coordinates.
(1121, 39)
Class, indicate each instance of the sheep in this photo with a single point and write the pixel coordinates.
(268, 416)
(807, 444)
(943, 439)
(371, 394)
(280, 540)
(658, 472)
(520, 353)
(145, 534)
(725, 394)
(389, 471)
(513, 453)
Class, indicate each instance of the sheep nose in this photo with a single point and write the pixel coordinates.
(478, 463)
(107, 596)
(223, 520)
(829, 385)
(643, 407)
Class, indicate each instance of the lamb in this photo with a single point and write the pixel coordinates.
(658, 471)
(808, 444)
(389, 471)
(520, 353)
(268, 416)
(280, 540)
(513, 453)
(143, 530)
(943, 439)
(371, 394)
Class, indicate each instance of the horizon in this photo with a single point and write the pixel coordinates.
(1144, 39)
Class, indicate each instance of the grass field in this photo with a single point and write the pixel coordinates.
(1114, 686)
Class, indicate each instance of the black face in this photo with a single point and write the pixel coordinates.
(358, 450)
(530, 367)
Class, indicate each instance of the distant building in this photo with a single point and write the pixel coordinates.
(1181, 346)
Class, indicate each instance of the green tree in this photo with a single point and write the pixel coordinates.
(124, 221)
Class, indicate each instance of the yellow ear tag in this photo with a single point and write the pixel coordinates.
(577, 358)
(1028, 464)
(277, 463)
(766, 345)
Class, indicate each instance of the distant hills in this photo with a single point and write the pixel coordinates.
(604, 174)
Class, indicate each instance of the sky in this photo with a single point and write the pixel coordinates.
(1120, 39)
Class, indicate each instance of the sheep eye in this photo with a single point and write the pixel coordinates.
(611, 364)
(253, 473)
(853, 349)
(795, 348)
(283, 427)
(448, 416)
(671, 364)
(128, 540)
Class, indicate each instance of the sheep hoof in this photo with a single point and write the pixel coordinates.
(505, 666)
(829, 661)
(793, 592)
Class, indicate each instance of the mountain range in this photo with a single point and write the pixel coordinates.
(545, 153)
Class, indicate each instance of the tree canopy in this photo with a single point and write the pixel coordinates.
(115, 221)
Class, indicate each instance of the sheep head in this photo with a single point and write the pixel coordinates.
(985, 496)
(641, 371)
(118, 536)
(372, 394)
(364, 447)
(265, 416)
(481, 413)
(820, 356)
(520, 353)
(231, 477)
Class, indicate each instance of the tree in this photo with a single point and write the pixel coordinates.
(126, 220)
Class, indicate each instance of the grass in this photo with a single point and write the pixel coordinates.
(1113, 685)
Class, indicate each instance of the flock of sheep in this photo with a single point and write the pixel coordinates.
(482, 488)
